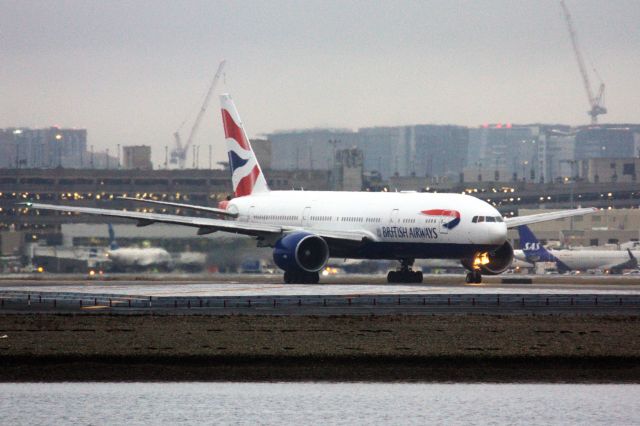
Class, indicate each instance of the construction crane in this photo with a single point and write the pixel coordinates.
(179, 153)
(595, 102)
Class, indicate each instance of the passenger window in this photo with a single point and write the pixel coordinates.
(475, 219)
(480, 218)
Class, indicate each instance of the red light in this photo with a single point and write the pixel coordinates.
(508, 125)
(498, 126)
(485, 125)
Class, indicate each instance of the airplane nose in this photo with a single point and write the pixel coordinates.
(497, 233)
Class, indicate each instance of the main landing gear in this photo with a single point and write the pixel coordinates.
(301, 277)
(405, 274)
(474, 276)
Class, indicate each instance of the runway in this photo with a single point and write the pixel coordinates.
(252, 295)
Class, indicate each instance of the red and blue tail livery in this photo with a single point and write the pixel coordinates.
(246, 175)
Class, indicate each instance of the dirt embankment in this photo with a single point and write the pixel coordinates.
(439, 347)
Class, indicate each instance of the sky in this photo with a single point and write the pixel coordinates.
(131, 72)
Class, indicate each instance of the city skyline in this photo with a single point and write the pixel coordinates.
(131, 72)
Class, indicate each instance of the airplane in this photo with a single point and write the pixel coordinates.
(306, 228)
(613, 261)
(126, 258)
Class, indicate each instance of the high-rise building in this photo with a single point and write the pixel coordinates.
(423, 150)
(499, 150)
(312, 149)
(607, 141)
(137, 157)
(43, 148)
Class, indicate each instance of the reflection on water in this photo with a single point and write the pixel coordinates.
(317, 403)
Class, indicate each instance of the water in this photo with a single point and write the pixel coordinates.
(317, 403)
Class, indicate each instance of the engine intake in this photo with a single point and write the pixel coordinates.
(493, 262)
(301, 251)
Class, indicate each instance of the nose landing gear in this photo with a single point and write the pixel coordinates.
(405, 274)
(474, 276)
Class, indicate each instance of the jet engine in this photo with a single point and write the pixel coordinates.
(491, 262)
(301, 254)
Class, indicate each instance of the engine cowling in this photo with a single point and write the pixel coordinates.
(493, 262)
(301, 251)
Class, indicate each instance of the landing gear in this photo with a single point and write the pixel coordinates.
(474, 276)
(405, 274)
(301, 277)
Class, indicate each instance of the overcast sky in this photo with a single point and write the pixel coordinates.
(132, 71)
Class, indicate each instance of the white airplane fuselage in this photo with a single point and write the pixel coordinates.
(400, 225)
(582, 260)
(139, 257)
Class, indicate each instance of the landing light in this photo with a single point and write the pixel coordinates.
(481, 259)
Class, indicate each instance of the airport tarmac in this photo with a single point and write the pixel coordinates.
(252, 295)
(270, 285)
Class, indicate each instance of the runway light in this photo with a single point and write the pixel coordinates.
(40, 269)
(92, 273)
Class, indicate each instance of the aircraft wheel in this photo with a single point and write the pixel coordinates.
(309, 278)
(392, 277)
(470, 278)
(478, 277)
(419, 277)
(287, 277)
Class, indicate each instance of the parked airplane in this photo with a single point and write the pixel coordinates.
(613, 261)
(306, 228)
(127, 258)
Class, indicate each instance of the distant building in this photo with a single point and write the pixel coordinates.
(609, 170)
(607, 141)
(502, 153)
(43, 148)
(262, 149)
(556, 154)
(423, 150)
(347, 171)
(312, 149)
(137, 157)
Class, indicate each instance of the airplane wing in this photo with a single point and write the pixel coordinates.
(204, 225)
(513, 222)
(213, 210)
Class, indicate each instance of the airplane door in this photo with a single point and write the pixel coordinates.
(306, 213)
(393, 219)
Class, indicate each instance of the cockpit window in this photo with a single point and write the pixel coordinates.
(477, 219)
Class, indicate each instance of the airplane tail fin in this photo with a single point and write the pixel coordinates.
(633, 261)
(246, 174)
(112, 238)
(531, 247)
